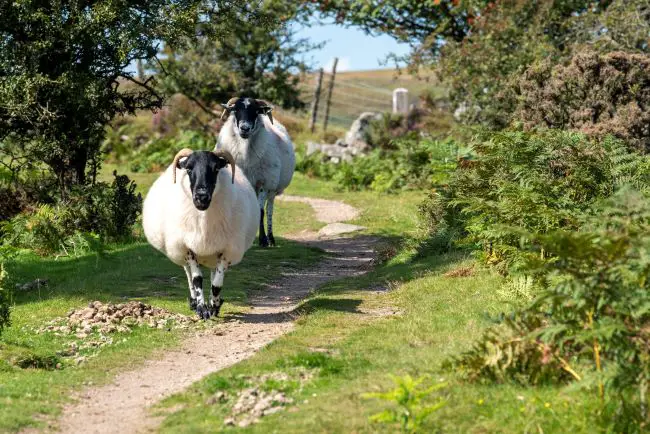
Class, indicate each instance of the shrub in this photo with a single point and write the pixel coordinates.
(413, 163)
(534, 182)
(596, 94)
(511, 352)
(408, 409)
(593, 308)
(80, 223)
(382, 132)
(157, 153)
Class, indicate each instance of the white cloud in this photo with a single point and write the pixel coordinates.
(343, 65)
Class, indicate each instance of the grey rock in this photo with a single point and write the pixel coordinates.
(356, 135)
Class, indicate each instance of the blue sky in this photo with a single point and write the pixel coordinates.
(355, 49)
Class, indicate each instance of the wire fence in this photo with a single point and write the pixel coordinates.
(349, 99)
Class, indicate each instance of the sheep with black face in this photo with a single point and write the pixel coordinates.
(207, 215)
(263, 150)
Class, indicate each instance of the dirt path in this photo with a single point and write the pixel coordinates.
(327, 211)
(122, 406)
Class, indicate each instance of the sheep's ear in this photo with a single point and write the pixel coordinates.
(267, 109)
(182, 163)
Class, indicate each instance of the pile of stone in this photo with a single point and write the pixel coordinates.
(108, 318)
(253, 403)
(352, 145)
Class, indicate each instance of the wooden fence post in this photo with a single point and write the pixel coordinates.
(316, 100)
(329, 94)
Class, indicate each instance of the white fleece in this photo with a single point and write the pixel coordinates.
(173, 225)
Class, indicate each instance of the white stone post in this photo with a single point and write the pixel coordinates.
(401, 100)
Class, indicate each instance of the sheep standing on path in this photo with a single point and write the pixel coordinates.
(209, 217)
(263, 150)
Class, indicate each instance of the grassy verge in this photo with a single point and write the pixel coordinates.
(350, 339)
(132, 271)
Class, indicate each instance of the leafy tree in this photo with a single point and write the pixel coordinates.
(429, 22)
(482, 47)
(260, 58)
(482, 69)
(62, 72)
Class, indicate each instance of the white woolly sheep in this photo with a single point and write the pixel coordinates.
(208, 218)
(264, 151)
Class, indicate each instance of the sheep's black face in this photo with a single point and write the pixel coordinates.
(202, 167)
(247, 112)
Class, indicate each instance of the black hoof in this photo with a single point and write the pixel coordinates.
(203, 311)
(193, 303)
(264, 242)
(271, 240)
(216, 307)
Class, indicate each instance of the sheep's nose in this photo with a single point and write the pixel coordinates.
(202, 196)
(245, 127)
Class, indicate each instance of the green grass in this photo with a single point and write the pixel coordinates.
(348, 342)
(347, 339)
(390, 215)
(132, 271)
(350, 352)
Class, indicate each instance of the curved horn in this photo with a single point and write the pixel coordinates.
(228, 156)
(228, 106)
(185, 152)
(267, 108)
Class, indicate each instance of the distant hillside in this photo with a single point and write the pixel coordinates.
(358, 91)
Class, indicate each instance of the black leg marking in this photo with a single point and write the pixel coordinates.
(271, 239)
(216, 302)
(202, 311)
(264, 241)
(197, 283)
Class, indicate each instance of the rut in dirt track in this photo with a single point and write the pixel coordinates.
(122, 406)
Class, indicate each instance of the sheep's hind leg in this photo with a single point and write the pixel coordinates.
(197, 285)
(261, 198)
(216, 279)
(269, 217)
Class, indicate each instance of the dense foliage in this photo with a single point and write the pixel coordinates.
(64, 75)
(535, 182)
(591, 315)
(567, 217)
(83, 221)
(152, 153)
(594, 94)
(408, 163)
(61, 63)
(261, 58)
(430, 21)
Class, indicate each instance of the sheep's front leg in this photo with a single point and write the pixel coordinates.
(196, 290)
(188, 273)
(216, 279)
(261, 198)
(269, 217)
